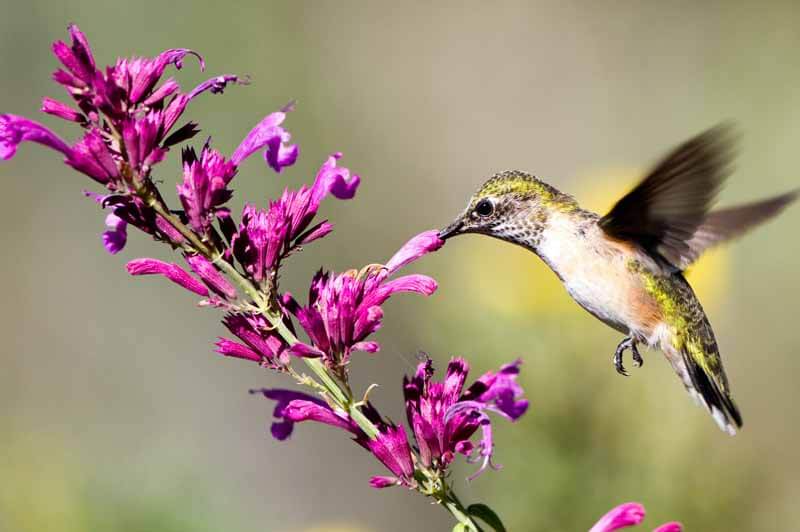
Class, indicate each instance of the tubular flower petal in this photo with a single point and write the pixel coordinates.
(622, 516)
(420, 245)
(173, 272)
(92, 157)
(269, 135)
(292, 407)
(78, 58)
(61, 110)
(14, 130)
(211, 276)
(261, 344)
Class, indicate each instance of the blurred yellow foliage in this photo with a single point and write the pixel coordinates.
(39, 489)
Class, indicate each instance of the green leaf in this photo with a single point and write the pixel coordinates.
(460, 527)
(487, 515)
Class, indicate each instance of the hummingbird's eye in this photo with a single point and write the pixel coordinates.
(484, 208)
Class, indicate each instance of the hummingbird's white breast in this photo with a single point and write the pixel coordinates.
(596, 273)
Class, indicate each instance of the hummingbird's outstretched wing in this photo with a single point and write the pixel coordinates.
(732, 222)
(667, 213)
(664, 211)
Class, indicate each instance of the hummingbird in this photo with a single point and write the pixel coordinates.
(626, 268)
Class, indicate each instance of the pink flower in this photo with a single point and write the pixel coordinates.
(626, 515)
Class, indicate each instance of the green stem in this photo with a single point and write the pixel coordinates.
(341, 398)
(460, 513)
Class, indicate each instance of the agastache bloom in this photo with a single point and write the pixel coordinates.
(120, 150)
(129, 119)
(444, 417)
(390, 446)
(627, 515)
(257, 341)
(266, 236)
(344, 309)
(272, 138)
(204, 188)
(443, 420)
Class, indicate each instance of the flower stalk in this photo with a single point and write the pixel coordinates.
(339, 397)
(129, 124)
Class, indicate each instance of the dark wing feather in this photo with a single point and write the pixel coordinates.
(726, 224)
(664, 211)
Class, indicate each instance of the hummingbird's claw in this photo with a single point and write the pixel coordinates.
(638, 361)
(627, 343)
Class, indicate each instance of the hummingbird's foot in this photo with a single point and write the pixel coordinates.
(638, 361)
(627, 343)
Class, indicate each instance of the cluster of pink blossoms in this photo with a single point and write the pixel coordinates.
(130, 119)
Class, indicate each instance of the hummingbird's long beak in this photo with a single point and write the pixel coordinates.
(451, 230)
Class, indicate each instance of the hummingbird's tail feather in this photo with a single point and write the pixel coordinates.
(718, 401)
(706, 390)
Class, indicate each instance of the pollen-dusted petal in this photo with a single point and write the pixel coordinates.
(173, 272)
(420, 245)
(622, 516)
(421, 284)
(14, 130)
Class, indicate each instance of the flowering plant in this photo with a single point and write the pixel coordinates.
(130, 120)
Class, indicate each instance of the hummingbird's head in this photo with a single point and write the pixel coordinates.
(512, 206)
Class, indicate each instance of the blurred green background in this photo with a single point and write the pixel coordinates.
(117, 416)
